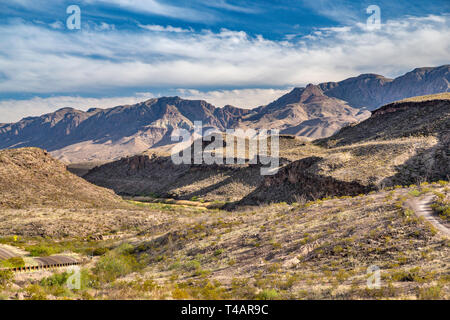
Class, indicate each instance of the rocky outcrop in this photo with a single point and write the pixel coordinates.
(299, 181)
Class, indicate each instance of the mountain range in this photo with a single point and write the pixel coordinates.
(314, 111)
(402, 143)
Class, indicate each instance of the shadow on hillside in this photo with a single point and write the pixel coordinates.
(430, 164)
(298, 182)
(247, 176)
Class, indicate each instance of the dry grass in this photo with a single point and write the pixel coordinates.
(438, 96)
(29, 177)
(309, 250)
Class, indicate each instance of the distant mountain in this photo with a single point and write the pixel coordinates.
(105, 134)
(304, 112)
(315, 111)
(373, 91)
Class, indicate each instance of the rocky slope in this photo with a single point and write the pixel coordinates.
(30, 177)
(400, 144)
(304, 112)
(151, 174)
(418, 117)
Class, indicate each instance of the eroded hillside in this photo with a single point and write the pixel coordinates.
(30, 177)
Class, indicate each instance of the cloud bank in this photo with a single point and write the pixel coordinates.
(39, 59)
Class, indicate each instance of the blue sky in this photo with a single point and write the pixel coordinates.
(244, 53)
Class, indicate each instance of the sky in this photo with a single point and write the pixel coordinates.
(243, 53)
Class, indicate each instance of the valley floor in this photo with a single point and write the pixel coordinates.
(323, 249)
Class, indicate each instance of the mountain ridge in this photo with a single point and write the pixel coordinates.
(315, 111)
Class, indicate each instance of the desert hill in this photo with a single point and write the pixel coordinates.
(30, 177)
(154, 174)
(419, 116)
(403, 143)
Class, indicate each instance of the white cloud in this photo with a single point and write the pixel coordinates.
(57, 25)
(37, 59)
(14, 110)
(158, 28)
(156, 8)
(105, 27)
(223, 4)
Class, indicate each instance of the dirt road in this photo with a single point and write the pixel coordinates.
(422, 207)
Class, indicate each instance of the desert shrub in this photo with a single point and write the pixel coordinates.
(148, 285)
(58, 279)
(202, 289)
(180, 294)
(443, 209)
(100, 251)
(192, 265)
(430, 293)
(6, 277)
(36, 292)
(42, 250)
(268, 294)
(337, 249)
(175, 265)
(408, 212)
(56, 284)
(15, 262)
(116, 263)
(414, 193)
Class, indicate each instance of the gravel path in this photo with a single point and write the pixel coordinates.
(422, 207)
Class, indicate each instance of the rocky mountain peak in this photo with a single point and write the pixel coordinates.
(310, 92)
